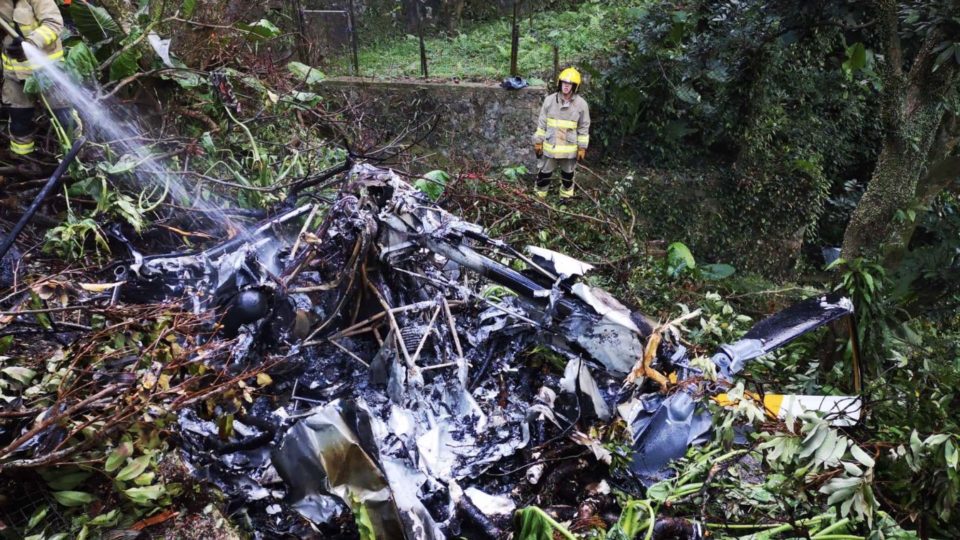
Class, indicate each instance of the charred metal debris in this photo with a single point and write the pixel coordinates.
(400, 390)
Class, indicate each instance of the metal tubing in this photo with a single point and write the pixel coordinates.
(47, 188)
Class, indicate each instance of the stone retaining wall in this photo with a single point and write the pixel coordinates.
(474, 122)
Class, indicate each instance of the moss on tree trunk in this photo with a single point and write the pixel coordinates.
(914, 105)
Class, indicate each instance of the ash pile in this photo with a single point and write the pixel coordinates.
(403, 398)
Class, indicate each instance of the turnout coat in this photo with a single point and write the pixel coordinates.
(563, 126)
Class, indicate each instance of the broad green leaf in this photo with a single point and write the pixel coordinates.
(118, 456)
(535, 524)
(187, 7)
(716, 271)
(126, 163)
(186, 79)
(868, 279)
(260, 30)
(852, 469)
(826, 448)
(81, 62)
(94, 23)
(679, 258)
(432, 184)
(305, 73)
(72, 498)
(634, 517)
(206, 141)
(145, 479)
(20, 374)
(915, 445)
(134, 469)
(841, 495)
(856, 58)
(660, 491)
(125, 65)
(32, 85)
(861, 456)
(37, 517)
(308, 98)
(109, 519)
(64, 479)
(687, 94)
(936, 439)
(839, 484)
(945, 55)
(145, 495)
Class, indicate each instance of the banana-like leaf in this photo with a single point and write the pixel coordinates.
(94, 22)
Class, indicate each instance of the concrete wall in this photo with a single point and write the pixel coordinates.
(474, 122)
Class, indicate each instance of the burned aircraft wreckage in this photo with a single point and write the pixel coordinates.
(400, 387)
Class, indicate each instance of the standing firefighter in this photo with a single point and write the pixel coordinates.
(563, 134)
(39, 23)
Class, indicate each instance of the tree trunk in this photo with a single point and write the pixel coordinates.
(913, 109)
(453, 13)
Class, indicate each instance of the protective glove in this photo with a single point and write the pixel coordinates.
(15, 50)
(581, 153)
(538, 149)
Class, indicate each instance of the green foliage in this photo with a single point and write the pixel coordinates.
(919, 18)
(515, 173)
(679, 259)
(432, 184)
(261, 30)
(865, 282)
(722, 75)
(94, 22)
(748, 84)
(364, 524)
(482, 51)
(126, 63)
(69, 240)
(306, 74)
(716, 271)
(817, 448)
(187, 8)
(533, 523)
(927, 281)
(81, 63)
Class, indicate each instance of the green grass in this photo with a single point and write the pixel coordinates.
(482, 51)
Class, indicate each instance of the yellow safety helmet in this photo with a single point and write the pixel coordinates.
(570, 75)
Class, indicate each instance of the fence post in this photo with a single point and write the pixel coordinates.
(353, 39)
(514, 41)
(423, 47)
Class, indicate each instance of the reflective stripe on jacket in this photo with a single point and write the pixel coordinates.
(41, 24)
(563, 126)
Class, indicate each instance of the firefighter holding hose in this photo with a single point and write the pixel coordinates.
(563, 134)
(37, 23)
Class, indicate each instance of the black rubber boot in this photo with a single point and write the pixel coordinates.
(543, 184)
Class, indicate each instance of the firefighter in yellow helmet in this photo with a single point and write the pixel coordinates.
(563, 134)
(39, 23)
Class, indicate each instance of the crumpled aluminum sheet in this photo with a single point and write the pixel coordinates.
(404, 444)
